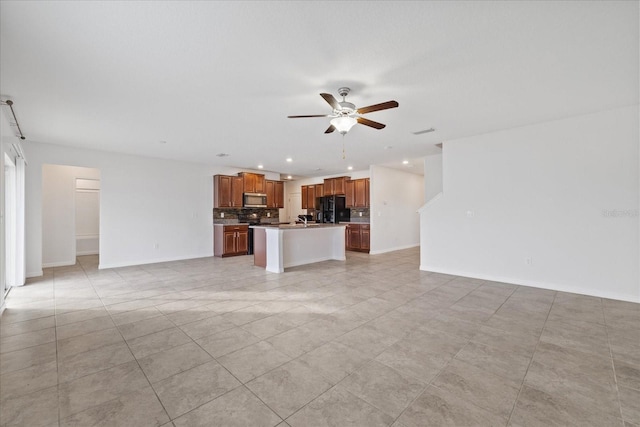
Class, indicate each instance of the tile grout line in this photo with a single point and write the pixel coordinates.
(134, 358)
(613, 365)
(515, 402)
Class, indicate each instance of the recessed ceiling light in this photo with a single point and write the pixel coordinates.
(222, 155)
(260, 166)
(405, 162)
(289, 159)
(288, 176)
(350, 168)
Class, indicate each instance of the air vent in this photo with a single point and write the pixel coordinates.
(420, 132)
(222, 155)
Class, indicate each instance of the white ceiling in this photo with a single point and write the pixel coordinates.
(221, 77)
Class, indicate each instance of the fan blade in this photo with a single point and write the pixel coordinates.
(330, 129)
(370, 123)
(331, 100)
(377, 107)
(303, 117)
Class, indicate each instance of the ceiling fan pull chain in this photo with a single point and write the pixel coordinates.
(343, 154)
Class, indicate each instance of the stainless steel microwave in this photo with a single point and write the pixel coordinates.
(254, 200)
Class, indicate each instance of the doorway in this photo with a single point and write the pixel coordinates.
(10, 224)
(70, 214)
(87, 213)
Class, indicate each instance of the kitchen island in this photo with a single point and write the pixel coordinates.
(283, 246)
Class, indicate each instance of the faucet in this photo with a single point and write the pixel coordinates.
(303, 218)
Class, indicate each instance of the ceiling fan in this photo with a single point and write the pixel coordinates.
(345, 114)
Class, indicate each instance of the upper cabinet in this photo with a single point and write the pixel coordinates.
(357, 192)
(275, 193)
(310, 194)
(253, 182)
(335, 186)
(227, 191)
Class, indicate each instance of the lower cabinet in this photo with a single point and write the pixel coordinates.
(230, 240)
(358, 237)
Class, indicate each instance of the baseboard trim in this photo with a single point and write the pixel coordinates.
(87, 253)
(535, 284)
(59, 264)
(397, 248)
(38, 273)
(103, 265)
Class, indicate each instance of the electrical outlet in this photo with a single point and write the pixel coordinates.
(156, 246)
(528, 261)
(268, 214)
(221, 214)
(360, 213)
(470, 214)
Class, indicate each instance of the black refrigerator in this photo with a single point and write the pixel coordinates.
(333, 209)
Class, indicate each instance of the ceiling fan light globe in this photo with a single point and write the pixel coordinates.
(343, 124)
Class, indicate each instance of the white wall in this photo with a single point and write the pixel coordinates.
(59, 214)
(542, 193)
(432, 176)
(87, 214)
(396, 197)
(143, 202)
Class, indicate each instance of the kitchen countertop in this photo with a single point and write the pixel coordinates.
(288, 226)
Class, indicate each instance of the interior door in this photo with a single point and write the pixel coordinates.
(295, 207)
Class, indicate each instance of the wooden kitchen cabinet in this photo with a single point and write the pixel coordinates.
(350, 193)
(279, 194)
(310, 194)
(335, 186)
(227, 191)
(230, 240)
(357, 193)
(358, 237)
(361, 193)
(305, 191)
(365, 237)
(311, 197)
(253, 182)
(275, 193)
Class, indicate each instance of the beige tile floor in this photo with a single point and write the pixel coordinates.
(370, 342)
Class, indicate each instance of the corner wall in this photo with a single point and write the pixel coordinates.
(396, 197)
(553, 205)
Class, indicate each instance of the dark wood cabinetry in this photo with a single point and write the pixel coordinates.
(275, 193)
(230, 240)
(253, 182)
(227, 191)
(358, 237)
(357, 193)
(305, 192)
(309, 195)
(335, 186)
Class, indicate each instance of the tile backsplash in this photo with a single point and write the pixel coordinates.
(355, 215)
(232, 216)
